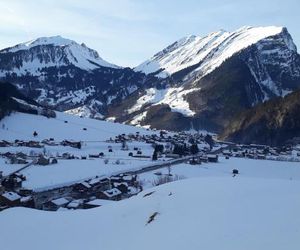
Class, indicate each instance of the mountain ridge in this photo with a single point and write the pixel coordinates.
(251, 65)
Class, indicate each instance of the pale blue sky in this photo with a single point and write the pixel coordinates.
(126, 32)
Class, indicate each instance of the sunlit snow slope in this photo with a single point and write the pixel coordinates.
(204, 213)
(210, 50)
(64, 126)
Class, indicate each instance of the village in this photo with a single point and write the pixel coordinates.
(115, 166)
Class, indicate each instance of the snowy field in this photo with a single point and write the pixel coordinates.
(8, 168)
(248, 168)
(22, 126)
(200, 213)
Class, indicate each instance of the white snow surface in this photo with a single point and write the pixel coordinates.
(213, 213)
(77, 54)
(211, 50)
(173, 96)
(21, 126)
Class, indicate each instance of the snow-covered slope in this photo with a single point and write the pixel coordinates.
(203, 213)
(210, 50)
(64, 126)
(53, 51)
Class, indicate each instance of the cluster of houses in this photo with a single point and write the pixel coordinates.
(40, 144)
(82, 195)
(162, 137)
(262, 152)
(101, 190)
(204, 158)
(11, 192)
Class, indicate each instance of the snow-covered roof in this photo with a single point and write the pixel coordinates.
(86, 184)
(99, 202)
(60, 201)
(26, 198)
(74, 204)
(12, 196)
(95, 180)
(112, 192)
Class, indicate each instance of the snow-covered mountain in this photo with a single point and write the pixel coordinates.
(214, 77)
(31, 57)
(63, 74)
(209, 51)
(195, 83)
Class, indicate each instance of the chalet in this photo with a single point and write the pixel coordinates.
(67, 156)
(96, 203)
(111, 194)
(49, 142)
(33, 144)
(54, 205)
(123, 187)
(43, 161)
(27, 201)
(212, 158)
(21, 155)
(14, 181)
(227, 153)
(261, 156)
(127, 178)
(16, 160)
(99, 184)
(53, 161)
(10, 199)
(4, 143)
(75, 204)
(25, 192)
(82, 187)
(195, 161)
(94, 156)
(73, 144)
(203, 158)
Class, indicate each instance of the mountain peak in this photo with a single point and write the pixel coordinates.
(209, 51)
(51, 40)
(56, 51)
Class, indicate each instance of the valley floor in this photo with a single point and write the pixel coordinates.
(206, 207)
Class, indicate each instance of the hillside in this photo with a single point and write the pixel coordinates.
(10, 98)
(274, 122)
(202, 213)
(63, 126)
